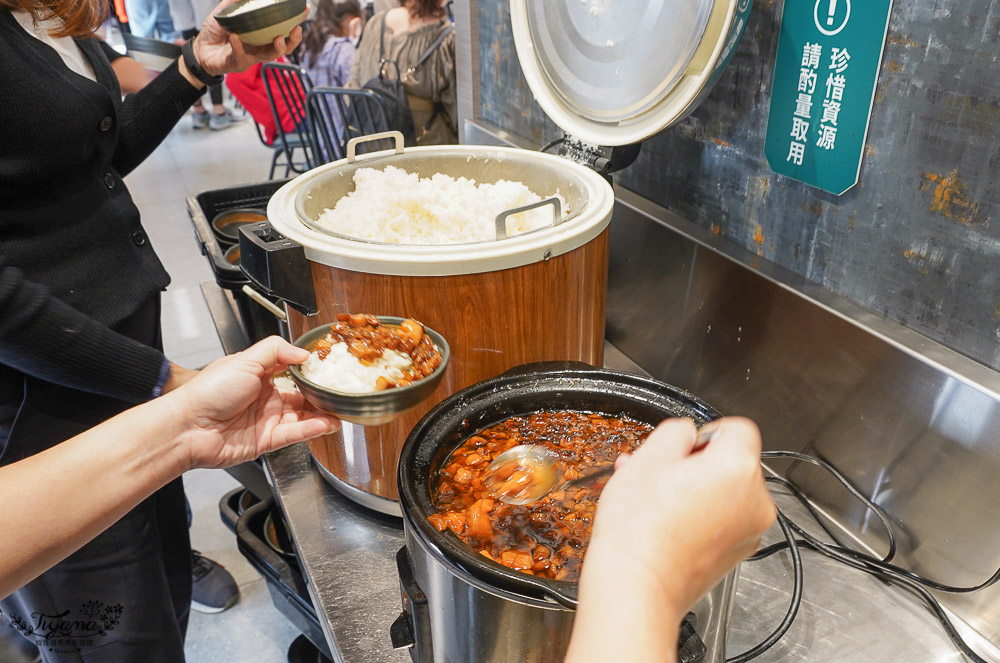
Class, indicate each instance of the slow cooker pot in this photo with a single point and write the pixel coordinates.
(461, 606)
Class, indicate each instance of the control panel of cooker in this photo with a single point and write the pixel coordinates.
(601, 158)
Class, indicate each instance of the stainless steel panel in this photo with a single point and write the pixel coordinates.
(911, 422)
(846, 616)
(916, 241)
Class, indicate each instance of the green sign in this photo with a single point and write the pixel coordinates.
(829, 54)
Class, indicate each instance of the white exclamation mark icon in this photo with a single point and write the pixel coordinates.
(833, 10)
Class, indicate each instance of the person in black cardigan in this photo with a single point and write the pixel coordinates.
(79, 323)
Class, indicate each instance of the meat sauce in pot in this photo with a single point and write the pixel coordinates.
(547, 538)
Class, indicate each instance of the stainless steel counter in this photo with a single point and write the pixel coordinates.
(347, 555)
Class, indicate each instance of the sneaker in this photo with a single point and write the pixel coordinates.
(213, 588)
(224, 120)
(200, 120)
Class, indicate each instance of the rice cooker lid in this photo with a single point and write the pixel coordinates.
(615, 72)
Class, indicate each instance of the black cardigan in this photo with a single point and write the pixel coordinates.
(74, 259)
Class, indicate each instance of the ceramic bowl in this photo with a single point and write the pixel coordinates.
(226, 225)
(377, 407)
(259, 27)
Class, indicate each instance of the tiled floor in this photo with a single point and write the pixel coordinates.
(189, 162)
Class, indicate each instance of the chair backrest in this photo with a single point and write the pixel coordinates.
(336, 115)
(289, 83)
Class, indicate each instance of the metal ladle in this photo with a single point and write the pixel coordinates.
(528, 472)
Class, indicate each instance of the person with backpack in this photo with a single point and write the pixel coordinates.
(409, 53)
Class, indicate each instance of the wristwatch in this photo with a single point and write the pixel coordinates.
(187, 52)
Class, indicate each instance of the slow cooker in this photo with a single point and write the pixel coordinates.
(461, 606)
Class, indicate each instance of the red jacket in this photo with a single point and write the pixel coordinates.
(248, 89)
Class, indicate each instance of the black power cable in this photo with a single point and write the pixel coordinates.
(880, 568)
(879, 512)
(793, 607)
(834, 552)
(552, 143)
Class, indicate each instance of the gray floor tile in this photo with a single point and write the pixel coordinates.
(204, 489)
(252, 630)
(155, 181)
(198, 359)
(187, 325)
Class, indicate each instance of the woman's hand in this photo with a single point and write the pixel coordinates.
(672, 521)
(221, 52)
(686, 516)
(232, 412)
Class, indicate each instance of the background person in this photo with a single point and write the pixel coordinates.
(409, 31)
(79, 297)
(188, 15)
(131, 74)
(151, 19)
(327, 52)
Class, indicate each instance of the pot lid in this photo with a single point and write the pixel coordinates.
(614, 72)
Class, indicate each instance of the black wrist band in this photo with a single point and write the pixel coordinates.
(187, 52)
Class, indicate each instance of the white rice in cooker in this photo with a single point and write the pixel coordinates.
(398, 207)
(342, 371)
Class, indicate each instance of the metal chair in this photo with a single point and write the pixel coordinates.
(336, 115)
(290, 83)
(278, 151)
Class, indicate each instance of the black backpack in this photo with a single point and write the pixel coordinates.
(391, 92)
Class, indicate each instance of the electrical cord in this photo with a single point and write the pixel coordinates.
(793, 607)
(883, 517)
(552, 143)
(880, 568)
(879, 512)
(894, 577)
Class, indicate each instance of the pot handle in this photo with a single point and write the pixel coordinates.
(501, 222)
(412, 629)
(566, 599)
(352, 145)
(263, 301)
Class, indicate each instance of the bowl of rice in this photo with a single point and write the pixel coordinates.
(258, 22)
(370, 370)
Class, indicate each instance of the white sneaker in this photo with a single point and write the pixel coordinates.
(223, 121)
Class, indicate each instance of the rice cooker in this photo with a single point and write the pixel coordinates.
(610, 75)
